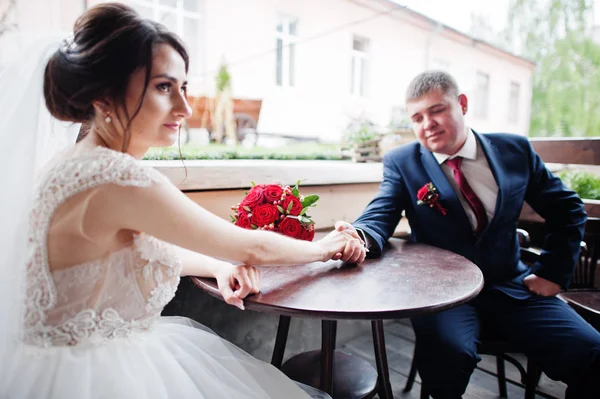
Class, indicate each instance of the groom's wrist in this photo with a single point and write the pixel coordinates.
(364, 237)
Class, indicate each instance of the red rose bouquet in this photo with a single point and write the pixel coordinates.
(277, 208)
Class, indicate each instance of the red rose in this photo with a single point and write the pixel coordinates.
(264, 214)
(422, 193)
(255, 197)
(427, 195)
(272, 192)
(243, 220)
(291, 227)
(308, 233)
(296, 205)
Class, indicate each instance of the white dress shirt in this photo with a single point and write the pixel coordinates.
(478, 174)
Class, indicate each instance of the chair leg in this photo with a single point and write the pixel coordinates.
(424, 393)
(501, 377)
(533, 374)
(412, 375)
(384, 387)
(280, 341)
(328, 330)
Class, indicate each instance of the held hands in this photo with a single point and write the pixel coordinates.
(541, 286)
(237, 282)
(344, 243)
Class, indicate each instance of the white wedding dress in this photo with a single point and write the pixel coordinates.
(94, 330)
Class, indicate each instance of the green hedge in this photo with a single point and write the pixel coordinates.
(585, 184)
(302, 151)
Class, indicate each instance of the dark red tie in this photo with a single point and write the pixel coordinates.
(468, 193)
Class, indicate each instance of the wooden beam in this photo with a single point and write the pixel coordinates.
(592, 208)
(580, 151)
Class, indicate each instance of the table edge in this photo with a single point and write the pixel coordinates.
(341, 315)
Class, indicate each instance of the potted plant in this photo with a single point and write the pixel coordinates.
(363, 141)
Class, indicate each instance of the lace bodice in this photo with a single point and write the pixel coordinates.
(115, 296)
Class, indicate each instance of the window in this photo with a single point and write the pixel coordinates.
(359, 67)
(482, 88)
(286, 35)
(440, 64)
(180, 16)
(513, 102)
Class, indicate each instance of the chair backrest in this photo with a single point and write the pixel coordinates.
(573, 151)
(585, 274)
(585, 271)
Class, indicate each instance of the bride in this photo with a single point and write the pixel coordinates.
(85, 281)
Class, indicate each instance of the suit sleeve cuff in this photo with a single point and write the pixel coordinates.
(363, 237)
(373, 249)
(551, 275)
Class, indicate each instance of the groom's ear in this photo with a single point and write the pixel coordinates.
(464, 103)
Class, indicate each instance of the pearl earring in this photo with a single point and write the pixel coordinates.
(107, 119)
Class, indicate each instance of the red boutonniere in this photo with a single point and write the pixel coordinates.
(428, 195)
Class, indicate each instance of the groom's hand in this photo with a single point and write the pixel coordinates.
(541, 286)
(355, 251)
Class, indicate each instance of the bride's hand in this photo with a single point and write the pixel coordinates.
(337, 243)
(237, 282)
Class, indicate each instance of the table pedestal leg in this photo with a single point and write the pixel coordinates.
(340, 375)
(328, 330)
(383, 381)
(280, 341)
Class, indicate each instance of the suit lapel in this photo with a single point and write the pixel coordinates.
(493, 157)
(448, 197)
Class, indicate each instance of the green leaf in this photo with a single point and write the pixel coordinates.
(309, 200)
(247, 208)
(254, 226)
(233, 219)
(289, 207)
(304, 210)
(253, 184)
(280, 209)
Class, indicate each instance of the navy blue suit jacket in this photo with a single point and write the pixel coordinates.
(521, 176)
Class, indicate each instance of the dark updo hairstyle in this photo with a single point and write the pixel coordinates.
(110, 42)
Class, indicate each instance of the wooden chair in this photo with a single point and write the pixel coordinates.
(496, 346)
(584, 294)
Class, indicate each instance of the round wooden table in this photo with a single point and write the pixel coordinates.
(407, 280)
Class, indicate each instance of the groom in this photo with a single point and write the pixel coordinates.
(463, 191)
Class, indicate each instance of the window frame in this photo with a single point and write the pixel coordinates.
(513, 102)
(285, 68)
(195, 49)
(481, 106)
(359, 67)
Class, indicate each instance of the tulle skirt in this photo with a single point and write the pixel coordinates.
(178, 358)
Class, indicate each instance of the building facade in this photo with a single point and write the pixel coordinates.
(318, 65)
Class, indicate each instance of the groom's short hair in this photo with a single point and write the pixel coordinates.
(429, 81)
